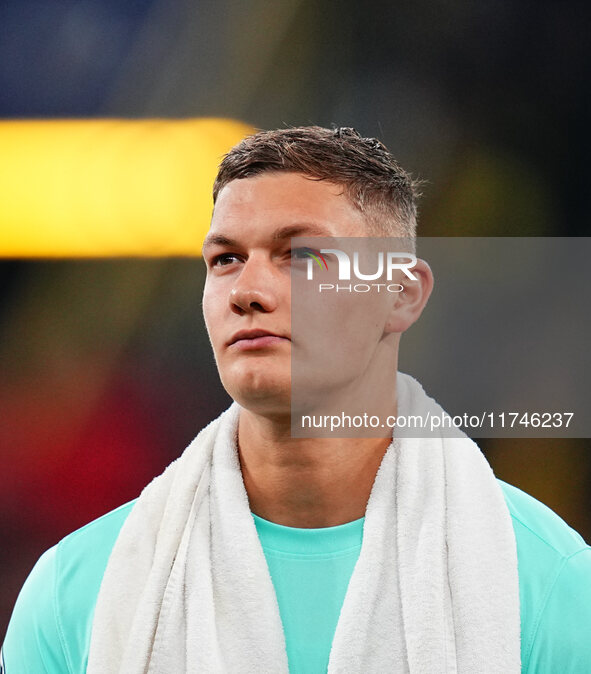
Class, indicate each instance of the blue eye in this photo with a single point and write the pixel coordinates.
(302, 253)
(223, 260)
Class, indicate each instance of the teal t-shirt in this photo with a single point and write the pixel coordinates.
(310, 569)
(49, 632)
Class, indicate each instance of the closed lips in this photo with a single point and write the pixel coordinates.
(253, 334)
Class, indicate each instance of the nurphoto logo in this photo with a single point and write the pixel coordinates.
(388, 263)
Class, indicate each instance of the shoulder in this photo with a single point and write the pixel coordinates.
(538, 525)
(554, 587)
(52, 620)
(87, 549)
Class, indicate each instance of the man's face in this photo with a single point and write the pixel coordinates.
(248, 257)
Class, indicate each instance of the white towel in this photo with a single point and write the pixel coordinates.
(435, 588)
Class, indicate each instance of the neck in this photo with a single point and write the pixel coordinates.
(302, 482)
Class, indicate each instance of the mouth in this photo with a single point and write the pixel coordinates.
(255, 339)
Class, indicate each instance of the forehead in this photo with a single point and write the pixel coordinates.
(262, 204)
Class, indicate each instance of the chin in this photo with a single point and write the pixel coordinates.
(271, 405)
(268, 396)
(258, 384)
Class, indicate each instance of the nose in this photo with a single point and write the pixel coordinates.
(255, 288)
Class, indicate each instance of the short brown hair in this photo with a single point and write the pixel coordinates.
(372, 179)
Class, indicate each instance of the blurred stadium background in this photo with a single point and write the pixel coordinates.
(106, 373)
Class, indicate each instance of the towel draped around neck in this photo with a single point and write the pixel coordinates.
(435, 588)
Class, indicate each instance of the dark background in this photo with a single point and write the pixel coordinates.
(105, 368)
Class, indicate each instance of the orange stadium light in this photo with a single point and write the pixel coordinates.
(109, 187)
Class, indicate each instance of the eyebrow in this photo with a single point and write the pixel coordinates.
(284, 233)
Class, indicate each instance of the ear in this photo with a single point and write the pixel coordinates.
(409, 303)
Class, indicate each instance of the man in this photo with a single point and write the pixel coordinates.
(257, 551)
